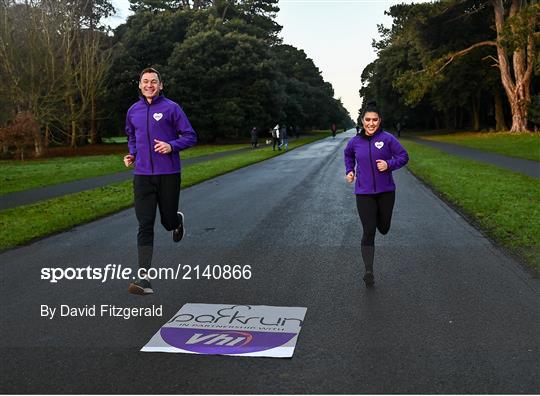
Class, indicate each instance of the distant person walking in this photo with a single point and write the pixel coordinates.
(254, 137)
(333, 128)
(399, 128)
(283, 137)
(157, 130)
(275, 138)
(370, 158)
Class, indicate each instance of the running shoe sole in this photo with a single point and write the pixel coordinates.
(175, 237)
(141, 291)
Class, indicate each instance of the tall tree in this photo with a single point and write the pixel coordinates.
(517, 25)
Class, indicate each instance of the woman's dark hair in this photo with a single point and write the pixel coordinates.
(371, 106)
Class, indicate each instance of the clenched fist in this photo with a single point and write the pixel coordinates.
(129, 160)
(381, 165)
(162, 147)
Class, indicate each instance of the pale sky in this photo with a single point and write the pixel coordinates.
(336, 34)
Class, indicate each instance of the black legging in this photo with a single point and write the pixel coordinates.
(151, 192)
(375, 212)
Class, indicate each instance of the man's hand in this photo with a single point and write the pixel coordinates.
(350, 177)
(162, 147)
(129, 160)
(381, 165)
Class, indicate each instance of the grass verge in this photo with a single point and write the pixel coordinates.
(26, 223)
(519, 145)
(24, 175)
(502, 203)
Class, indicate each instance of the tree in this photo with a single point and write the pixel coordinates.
(223, 62)
(225, 80)
(517, 31)
(53, 54)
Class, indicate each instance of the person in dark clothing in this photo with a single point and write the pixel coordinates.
(275, 138)
(333, 128)
(157, 130)
(370, 158)
(399, 128)
(254, 137)
(283, 137)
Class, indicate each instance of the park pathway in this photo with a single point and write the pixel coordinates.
(519, 165)
(34, 195)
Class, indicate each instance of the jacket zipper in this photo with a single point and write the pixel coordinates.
(371, 166)
(148, 135)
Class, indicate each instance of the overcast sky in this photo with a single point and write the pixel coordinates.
(336, 34)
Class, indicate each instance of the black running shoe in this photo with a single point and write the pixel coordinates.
(141, 287)
(179, 233)
(369, 279)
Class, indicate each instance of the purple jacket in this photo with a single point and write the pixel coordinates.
(362, 151)
(163, 120)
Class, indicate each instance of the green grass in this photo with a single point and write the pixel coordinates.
(25, 223)
(24, 175)
(520, 145)
(502, 203)
(114, 139)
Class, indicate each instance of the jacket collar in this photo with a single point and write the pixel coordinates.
(156, 99)
(362, 133)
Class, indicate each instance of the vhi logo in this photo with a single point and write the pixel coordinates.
(228, 339)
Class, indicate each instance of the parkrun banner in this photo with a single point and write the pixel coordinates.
(236, 330)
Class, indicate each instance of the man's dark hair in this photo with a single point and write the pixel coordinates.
(150, 70)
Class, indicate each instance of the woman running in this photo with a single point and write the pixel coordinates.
(375, 154)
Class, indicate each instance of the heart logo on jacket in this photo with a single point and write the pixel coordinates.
(158, 116)
(379, 145)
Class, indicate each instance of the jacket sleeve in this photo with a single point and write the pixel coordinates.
(350, 159)
(130, 132)
(188, 137)
(399, 155)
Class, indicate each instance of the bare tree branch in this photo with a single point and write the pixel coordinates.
(450, 58)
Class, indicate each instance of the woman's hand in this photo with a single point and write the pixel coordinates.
(381, 165)
(162, 147)
(128, 160)
(350, 177)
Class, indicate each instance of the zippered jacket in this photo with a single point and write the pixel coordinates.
(163, 120)
(361, 155)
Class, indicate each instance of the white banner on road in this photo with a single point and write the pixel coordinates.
(235, 330)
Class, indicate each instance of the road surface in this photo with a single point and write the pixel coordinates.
(450, 312)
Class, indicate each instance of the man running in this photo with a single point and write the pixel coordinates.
(157, 130)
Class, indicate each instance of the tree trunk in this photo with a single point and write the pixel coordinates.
(47, 136)
(475, 121)
(93, 121)
(38, 148)
(500, 123)
(517, 88)
(73, 122)
(38, 141)
(519, 115)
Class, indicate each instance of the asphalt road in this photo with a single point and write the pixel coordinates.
(450, 313)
